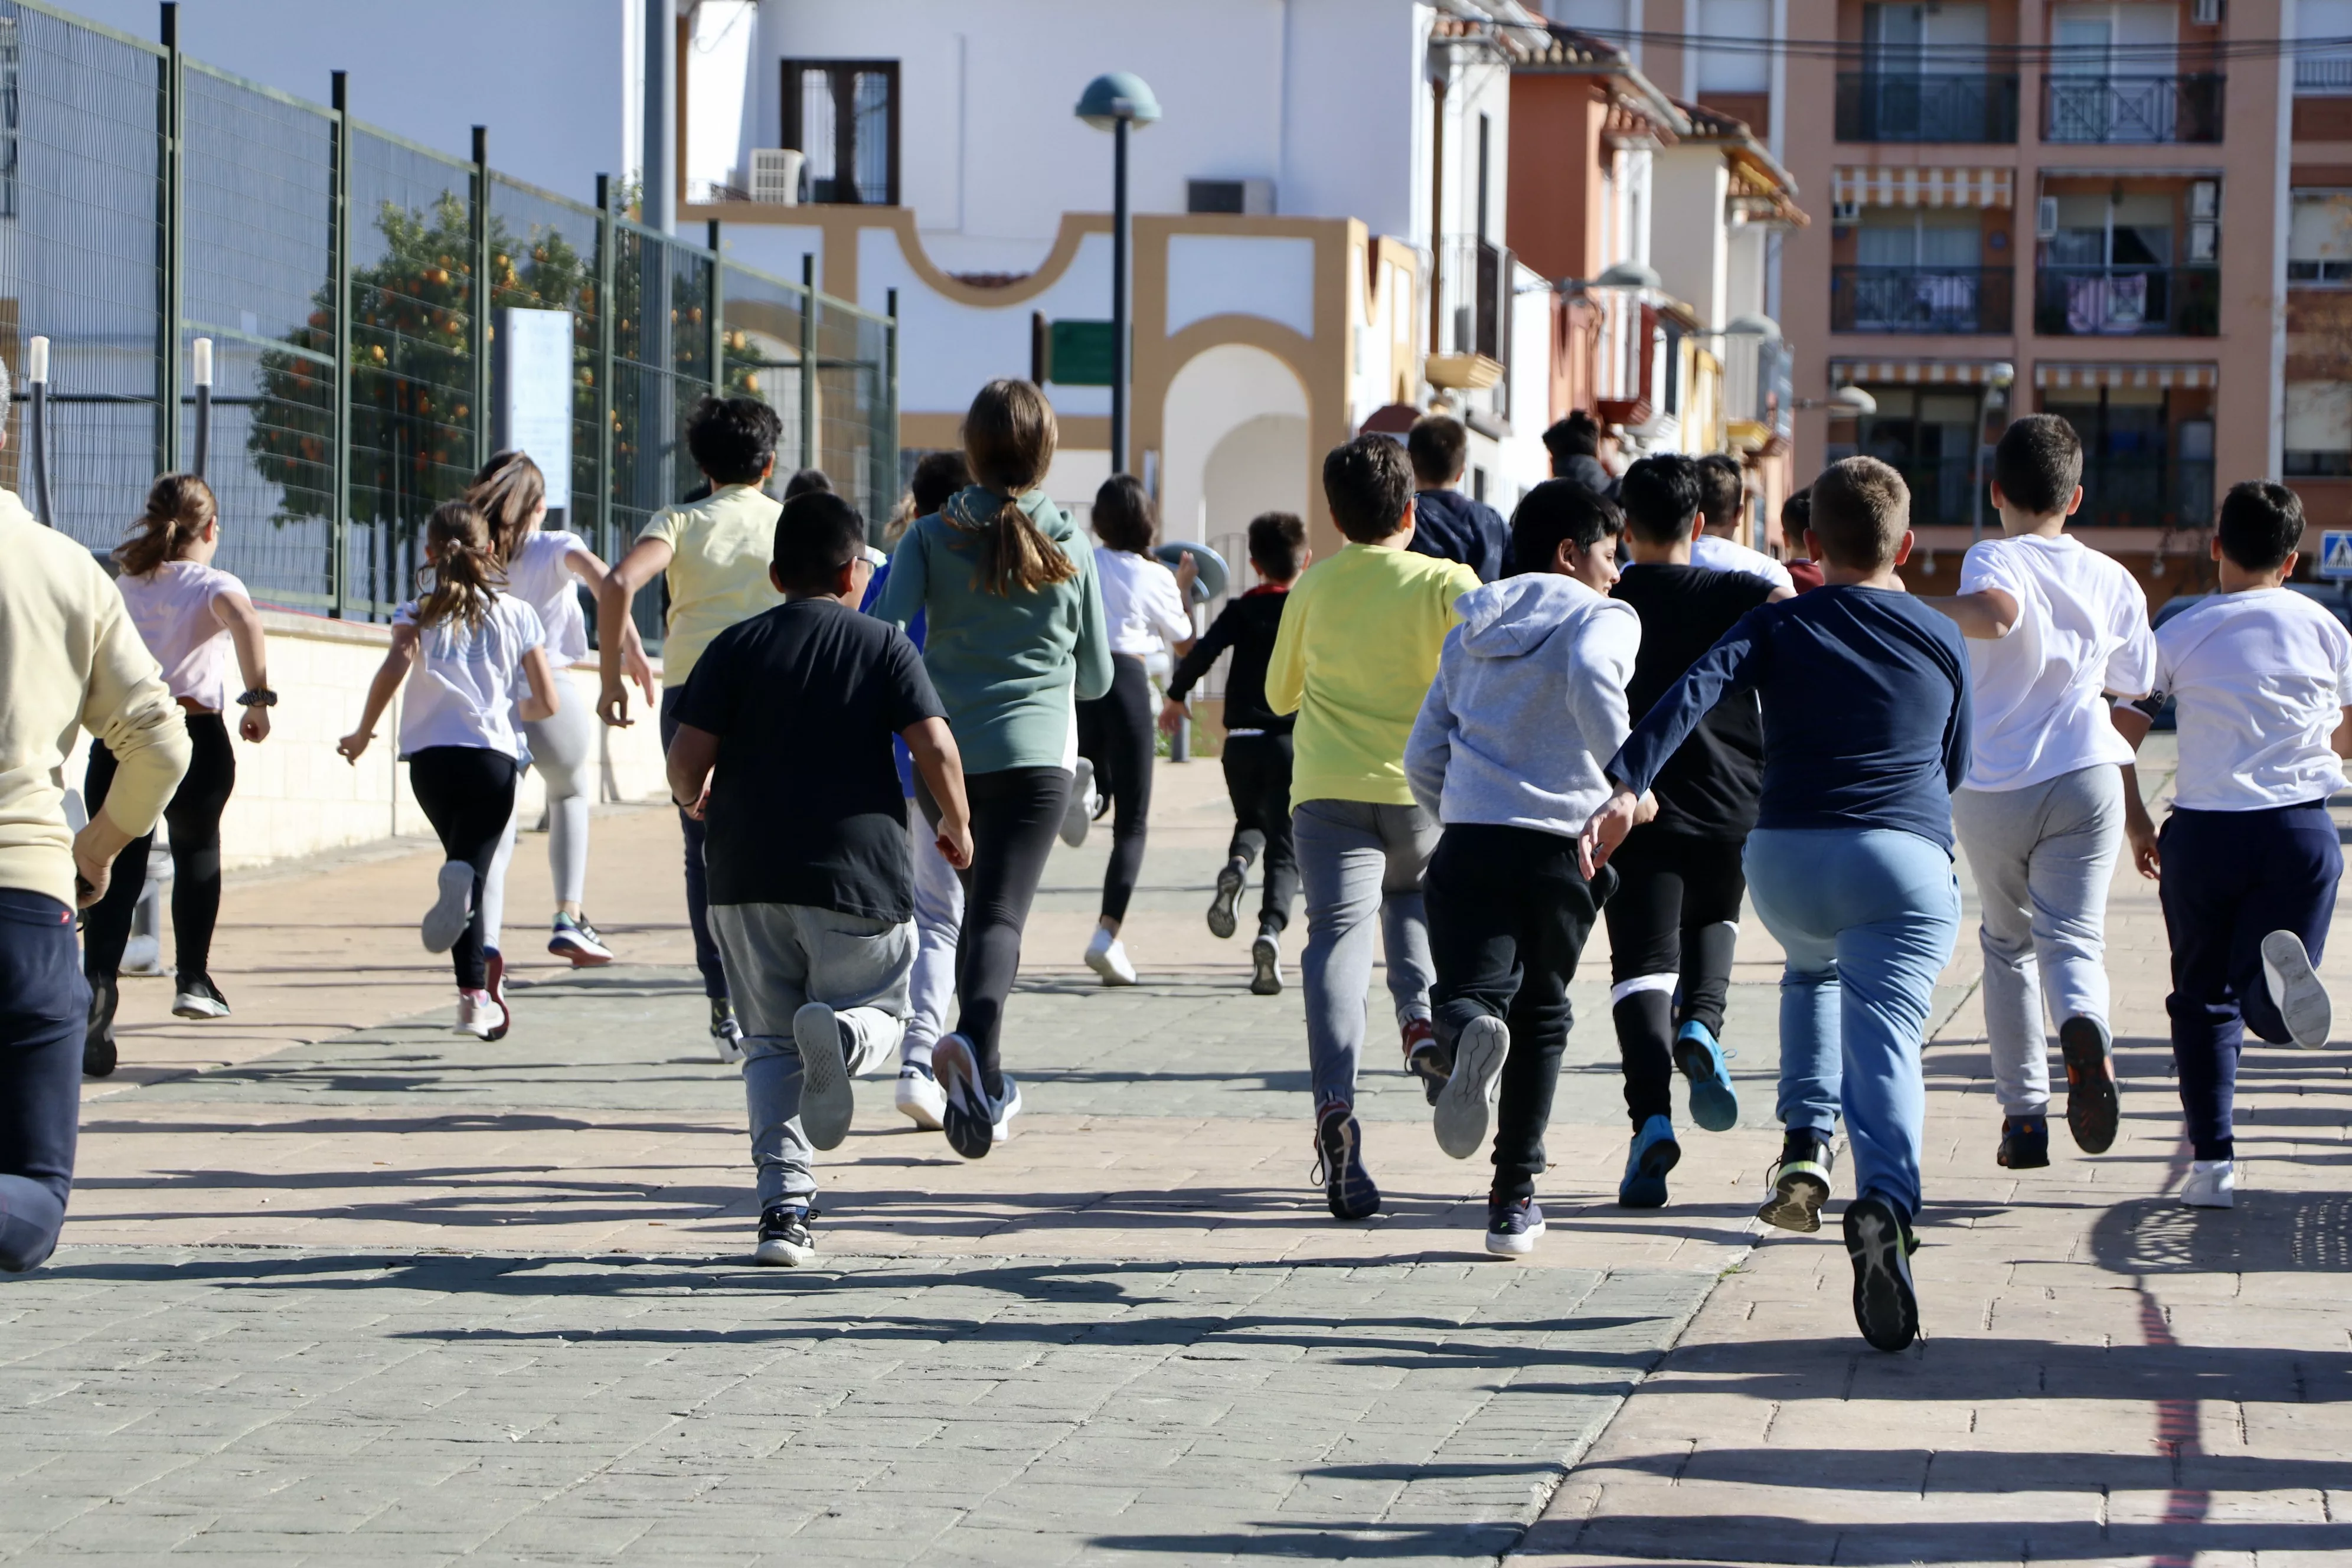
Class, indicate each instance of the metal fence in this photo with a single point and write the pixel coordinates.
(147, 200)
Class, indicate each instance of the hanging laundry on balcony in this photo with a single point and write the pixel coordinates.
(2109, 302)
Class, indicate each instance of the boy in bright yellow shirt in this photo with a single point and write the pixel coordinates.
(1358, 648)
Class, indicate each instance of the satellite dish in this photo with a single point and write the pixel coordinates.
(1214, 574)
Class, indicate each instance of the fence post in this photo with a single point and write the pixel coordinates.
(603, 370)
(808, 362)
(167, 312)
(886, 434)
(718, 322)
(339, 227)
(477, 325)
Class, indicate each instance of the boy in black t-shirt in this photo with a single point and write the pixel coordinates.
(1675, 914)
(811, 888)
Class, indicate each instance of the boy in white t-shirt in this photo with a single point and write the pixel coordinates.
(2051, 625)
(2249, 858)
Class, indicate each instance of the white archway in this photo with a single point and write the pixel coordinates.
(1232, 442)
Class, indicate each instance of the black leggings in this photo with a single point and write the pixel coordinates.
(1115, 733)
(1673, 922)
(1257, 781)
(467, 793)
(1015, 813)
(194, 817)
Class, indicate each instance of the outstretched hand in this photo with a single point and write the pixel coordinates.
(1618, 816)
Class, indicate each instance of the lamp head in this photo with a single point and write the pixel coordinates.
(1754, 324)
(1115, 96)
(1629, 275)
(1853, 399)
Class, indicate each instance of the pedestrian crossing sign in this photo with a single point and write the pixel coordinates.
(2336, 554)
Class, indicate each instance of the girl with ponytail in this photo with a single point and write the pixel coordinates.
(1015, 635)
(482, 665)
(192, 616)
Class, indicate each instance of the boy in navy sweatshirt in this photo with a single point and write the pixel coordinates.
(1865, 697)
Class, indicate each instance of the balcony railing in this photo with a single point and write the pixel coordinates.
(1957, 299)
(2132, 108)
(2147, 491)
(1896, 106)
(2322, 76)
(2127, 301)
(1474, 298)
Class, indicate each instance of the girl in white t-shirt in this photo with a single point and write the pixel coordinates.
(546, 571)
(481, 666)
(192, 617)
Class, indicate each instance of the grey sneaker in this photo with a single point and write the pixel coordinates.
(826, 1105)
(2302, 1000)
(1800, 1183)
(1469, 1098)
(453, 906)
(1230, 882)
(1080, 811)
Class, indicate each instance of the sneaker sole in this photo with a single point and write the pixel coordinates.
(1468, 1100)
(1265, 969)
(453, 906)
(579, 957)
(1222, 922)
(826, 1104)
(1796, 1201)
(2210, 1199)
(2093, 1104)
(198, 1009)
(1714, 1103)
(2302, 1002)
(1885, 1307)
(916, 1111)
(782, 1254)
(1517, 1246)
(1647, 1189)
(968, 1131)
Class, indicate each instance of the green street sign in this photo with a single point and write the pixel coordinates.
(1078, 353)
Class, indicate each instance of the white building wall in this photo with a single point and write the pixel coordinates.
(1690, 236)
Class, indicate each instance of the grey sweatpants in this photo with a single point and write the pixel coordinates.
(1355, 861)
(778, 957)
(2042, 857)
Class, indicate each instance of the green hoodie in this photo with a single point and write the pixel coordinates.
(1004, 664)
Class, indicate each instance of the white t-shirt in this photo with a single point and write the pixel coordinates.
(2262, 679)
(538, 577)
(2082, 629)
(172, 608)
(1720, 554)
(465, 684)
(1140, 603)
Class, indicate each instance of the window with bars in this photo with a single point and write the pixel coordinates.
(843, 117)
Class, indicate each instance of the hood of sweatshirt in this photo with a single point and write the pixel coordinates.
(1513, 617)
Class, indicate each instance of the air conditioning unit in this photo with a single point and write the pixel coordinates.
(2205, 13)
(2045, 218)
(776, 175)
(1251, 196)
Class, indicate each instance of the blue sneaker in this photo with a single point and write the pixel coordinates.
(1654, 1152)
(1714, 1103)
(1339, 1165)
(1512, 1226)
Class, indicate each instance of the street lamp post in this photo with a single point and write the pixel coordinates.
(1114, 101)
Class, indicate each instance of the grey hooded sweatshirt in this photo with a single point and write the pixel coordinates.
(1528, 702)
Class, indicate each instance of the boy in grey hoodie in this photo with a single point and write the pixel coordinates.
(1528, 702)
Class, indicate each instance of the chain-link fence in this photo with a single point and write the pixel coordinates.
(148, 200)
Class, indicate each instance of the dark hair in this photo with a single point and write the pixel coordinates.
(1367, 485)
(178, 508)
(1123, 517)
(1008, 437)
(1438, 445)
(462, 575)
(2038, 463)
(1578, 436)
(817, 534)
(1861, 508)
(938, 475)
(1659, 493)
(508, 492)
(1795, 516)
(2261, 525)
(805, 481)
(733, 440)
(1277, 541)
(1720, 488)
(1558, 511)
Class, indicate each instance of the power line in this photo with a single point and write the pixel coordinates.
(1978, 54)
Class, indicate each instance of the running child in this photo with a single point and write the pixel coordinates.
(1257, 756)
(811, 888)
(1529, 699)
(2248, 862)
(482, 665)
(190, 616)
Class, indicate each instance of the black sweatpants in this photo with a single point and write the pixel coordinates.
(194, 817)
(44, 1008)
(467, 793)
(695, 832)
(1257, 778)
(1510, 913)
(1015, 813)
(1672, 924)
(1115, 733)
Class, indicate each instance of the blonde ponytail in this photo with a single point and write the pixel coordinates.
(464, 577)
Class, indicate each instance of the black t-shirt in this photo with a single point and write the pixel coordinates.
(804, 803)
(1710, 786)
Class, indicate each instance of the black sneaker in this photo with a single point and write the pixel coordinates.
(195, 996)
(1340, 1166)
(1512, 1226)
(1425, 1058)
(2024, 1142)
(2093, 1107)
(97, 1053)
(970, 1116)
(1221, 908)
(784, 1235)
(1885, 1307)
(1800, 1182)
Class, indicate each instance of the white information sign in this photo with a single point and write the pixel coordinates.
(534, 393)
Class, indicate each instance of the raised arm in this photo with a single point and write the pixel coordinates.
(544, 700)
(589, 567)
(1738, 663)
(1986, 615)
(394, 668)
(237, 616)
(1195, 664)
(910, 581)
(646, 560)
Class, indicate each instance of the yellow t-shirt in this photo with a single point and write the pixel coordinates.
(720, 550)
(1357, 651)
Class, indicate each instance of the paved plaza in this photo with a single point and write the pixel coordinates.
(342, 1286)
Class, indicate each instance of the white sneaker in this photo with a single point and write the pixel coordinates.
(1080, 811)
(479, 1015)
(2212, 1184)
(2301, 999)
(1106, 956)
(453, 906)
(1001, 1130)
(726, 1034)
(919, 1098)
(196, 996)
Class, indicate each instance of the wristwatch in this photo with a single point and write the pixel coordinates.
(259, 696)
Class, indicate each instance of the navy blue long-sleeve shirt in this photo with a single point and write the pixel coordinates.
(1866, 699)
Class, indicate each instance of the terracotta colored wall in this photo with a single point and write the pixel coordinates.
(1555, 191)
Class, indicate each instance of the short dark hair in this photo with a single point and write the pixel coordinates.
(1558, 511)
(1123, 517)
(1861, 508)
(2261, 525)
(807, 479)
(938, 476)
(817, 534)
(1659, 493)
(732, 439)
(1578, 436)
(1277, 539)
(1720, 488)
(2038, 463)
(1367, 485)
(1437, 444)
(1795, 516)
